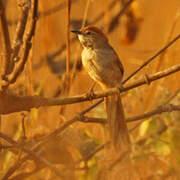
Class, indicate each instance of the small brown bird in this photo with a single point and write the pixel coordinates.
(103, 65)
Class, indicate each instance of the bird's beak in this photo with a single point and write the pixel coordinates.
(78, 32)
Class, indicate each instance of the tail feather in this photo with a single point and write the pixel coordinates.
(116, 120)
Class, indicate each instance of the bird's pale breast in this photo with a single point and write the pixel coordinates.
(102, 66)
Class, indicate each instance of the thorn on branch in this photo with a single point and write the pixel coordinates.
(147, 80)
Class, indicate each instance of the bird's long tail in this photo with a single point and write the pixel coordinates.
(116, 120)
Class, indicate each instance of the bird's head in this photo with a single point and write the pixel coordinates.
(91, 37)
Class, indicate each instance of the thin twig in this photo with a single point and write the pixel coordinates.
(20, 29)
(172, 97)
(85, 14)
(68, 8)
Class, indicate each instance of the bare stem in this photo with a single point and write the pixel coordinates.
(27, 44)
(6, 44)
(68, 8)
(20, 29)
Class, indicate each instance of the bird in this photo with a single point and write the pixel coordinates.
(103, 65)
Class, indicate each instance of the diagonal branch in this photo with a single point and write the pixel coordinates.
(151, 58)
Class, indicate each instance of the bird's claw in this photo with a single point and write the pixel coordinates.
(90, 94)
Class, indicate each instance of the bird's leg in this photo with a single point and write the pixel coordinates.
(90, 93)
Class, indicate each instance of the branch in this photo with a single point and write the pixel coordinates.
(158, 110)
(6, 44)
(18, 40)
(12, 103)
(27, 44)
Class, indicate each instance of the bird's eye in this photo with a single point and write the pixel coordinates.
(88, 33)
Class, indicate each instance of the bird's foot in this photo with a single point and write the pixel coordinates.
(120, 87)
